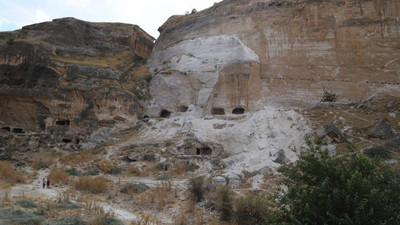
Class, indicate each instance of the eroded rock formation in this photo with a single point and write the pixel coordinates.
(71, 76)
(283, 51)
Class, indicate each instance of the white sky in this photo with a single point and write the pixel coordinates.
(148, 14)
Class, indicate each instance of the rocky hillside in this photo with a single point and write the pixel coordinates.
(228, 57)
(70, 77)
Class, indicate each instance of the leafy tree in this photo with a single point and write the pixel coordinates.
(329, 97)
(343, 190)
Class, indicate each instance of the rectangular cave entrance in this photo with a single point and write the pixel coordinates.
(203, 151)
(6, 129)
(18, 130)
(218, 111)
(62, 122)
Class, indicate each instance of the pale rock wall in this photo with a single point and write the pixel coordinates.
(189, 72)
(350, 47)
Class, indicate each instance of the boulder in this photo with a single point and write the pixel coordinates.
(219, 181)
(390, 104)
(280, 157)
(394, 143)
(332, 131)
(381, 130)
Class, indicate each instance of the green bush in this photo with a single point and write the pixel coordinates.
(197, 188)
(92, 172)
(74, 172)
(134, 188)
(224, 203)
(19, 217)
(67, 205)
(378, 152)
(329, 97)
(68, 221)
(348, 190)
(115, 171)
(10, 41)
(252, 209)
(148, 78)
(43, 165)
(26, 204)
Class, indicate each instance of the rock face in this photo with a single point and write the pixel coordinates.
(282, 51)
(214, 73)
(70, 76)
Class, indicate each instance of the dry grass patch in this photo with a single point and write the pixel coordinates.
(9, 174)
(92, 185)
(58, 175)
(106, 166)
(77, 159)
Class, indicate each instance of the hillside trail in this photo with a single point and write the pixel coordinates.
(34, 190)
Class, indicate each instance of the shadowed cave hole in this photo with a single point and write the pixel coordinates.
(63, 122)
(165, 113)
(203, 151)
(18, 130)
(183, 108)
(238, 111)
(6, 128)
(66, 140)
(218, 111)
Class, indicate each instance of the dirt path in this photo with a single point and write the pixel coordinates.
(34, 190)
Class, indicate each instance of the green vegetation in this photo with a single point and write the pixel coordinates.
(329, 97)
(197, 188)
(378, 152)
(224, 203)
(252, 209)
(348, 189)
(26, 204)
(10, 41)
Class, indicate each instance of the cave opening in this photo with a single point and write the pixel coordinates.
(6, 128)
(165, 113)
(18, 130)
(183, 108)
(204, 151)
(66, 140)
(218, 111)
(238, 111)
(63, 122)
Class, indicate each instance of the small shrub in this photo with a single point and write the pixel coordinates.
(164, 177)
(8, 174)
(196, 188)
(74, 172)
(329, 97)
(106, 166)
(68, 221)
(115, 171)
(92, 172)
(94, 185)
(378, 152)
(42, 165)
(67, 206)
(133, 146)
(134, 188)
(148, 78)
(26, 204)
(168, 143)
(20, 217)
(149, 157)
(252, 209)
(58, 175)
(10, 41)
(224, 203)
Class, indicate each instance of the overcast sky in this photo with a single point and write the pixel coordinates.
(148, 14)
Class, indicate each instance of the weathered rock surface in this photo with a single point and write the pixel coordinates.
(332, 131)
(70, 75)
(394, 143)
(297, 48)
(382, 129)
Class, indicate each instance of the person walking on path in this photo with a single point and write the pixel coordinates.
(44, 182)
(48, 182)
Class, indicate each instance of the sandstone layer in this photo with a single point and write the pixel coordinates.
(71, 77)
(347, 47)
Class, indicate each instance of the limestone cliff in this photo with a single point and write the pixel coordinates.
(297, 48)
(71, 76)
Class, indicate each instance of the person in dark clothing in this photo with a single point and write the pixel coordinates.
(44, 182)
(48, 182)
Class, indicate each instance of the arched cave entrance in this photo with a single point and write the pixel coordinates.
(218, 111)
(165, 113)
(204, 151)
(238, 111)
(66, 140)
